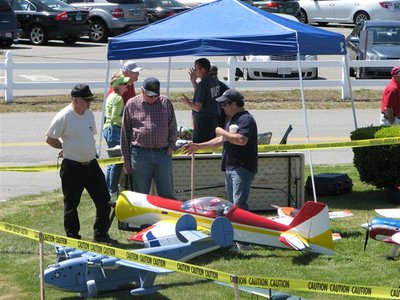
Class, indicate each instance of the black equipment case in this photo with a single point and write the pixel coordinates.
(330, 184)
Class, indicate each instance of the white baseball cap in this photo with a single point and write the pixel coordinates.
(130, 66)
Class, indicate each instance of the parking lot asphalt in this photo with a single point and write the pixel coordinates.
(22, 143)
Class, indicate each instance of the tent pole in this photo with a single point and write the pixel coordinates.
(169, 74)
(348, 82)
(103, 108)
(303, 104)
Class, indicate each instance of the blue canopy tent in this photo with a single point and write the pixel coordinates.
(227, 28)
(224, 27)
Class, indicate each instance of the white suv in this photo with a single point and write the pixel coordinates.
(110, 17)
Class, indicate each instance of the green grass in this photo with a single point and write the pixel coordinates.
(288, 99)
(19, 256)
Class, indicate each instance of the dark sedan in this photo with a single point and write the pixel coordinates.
(290, 7)
(160, 9)
(43, 20)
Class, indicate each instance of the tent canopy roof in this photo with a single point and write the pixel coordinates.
(224, 27)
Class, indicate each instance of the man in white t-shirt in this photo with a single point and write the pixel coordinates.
(72, 130)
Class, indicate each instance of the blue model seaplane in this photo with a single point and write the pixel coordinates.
(385, 229)
(88, 273)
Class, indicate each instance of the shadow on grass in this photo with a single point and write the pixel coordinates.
(124, 292)
(363, 200)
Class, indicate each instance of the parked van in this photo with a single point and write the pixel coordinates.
(9, 29)
(111, 17)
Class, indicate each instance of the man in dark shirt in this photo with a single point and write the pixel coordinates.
(240, 153)
(204, 107)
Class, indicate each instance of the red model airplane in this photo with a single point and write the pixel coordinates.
(308, 231)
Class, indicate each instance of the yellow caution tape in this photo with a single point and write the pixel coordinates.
(207, 273)
(261, 148)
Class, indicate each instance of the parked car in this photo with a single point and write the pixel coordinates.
(385, 45)
(9, 29)
(290, 7)
(347, 11)
(160, 9)
(110, 17)
(277, 73)
(43, 20)
(194, 3)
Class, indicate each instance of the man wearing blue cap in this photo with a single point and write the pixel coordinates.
(240, 153)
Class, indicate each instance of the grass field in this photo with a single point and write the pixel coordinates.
(350, 265)
(288, 99)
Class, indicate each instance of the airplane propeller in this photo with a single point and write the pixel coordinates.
(367, 227)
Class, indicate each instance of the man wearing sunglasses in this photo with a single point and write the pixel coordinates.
(239, 141)
(148, 137)
(72, 130)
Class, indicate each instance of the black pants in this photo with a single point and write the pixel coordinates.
(74, 178)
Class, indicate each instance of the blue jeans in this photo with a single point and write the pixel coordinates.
(237, 185)
(152, 164)
(112, 136)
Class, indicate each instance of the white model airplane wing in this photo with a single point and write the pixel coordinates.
(340, 214)
(287, 213)
(294, 240)
(393, 213)
(394, 239)
(163, 233)
(148, 268)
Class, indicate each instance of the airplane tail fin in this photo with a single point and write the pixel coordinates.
(310, 229)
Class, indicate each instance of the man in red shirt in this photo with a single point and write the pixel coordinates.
(129, 69)
(390, 105)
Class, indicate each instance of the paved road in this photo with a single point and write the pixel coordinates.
(22, 141)
(57, 51)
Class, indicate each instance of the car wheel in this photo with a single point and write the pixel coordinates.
(359, 73)
(37, 35)
(361, 16)
(98, 32)
(246, 75)
(352, 72)
(316, 74)
(302, 16)
(70, 40)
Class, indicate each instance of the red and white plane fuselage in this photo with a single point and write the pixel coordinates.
(309, 230)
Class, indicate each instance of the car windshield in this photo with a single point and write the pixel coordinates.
(385, 35)
(165, 3)
(209, 206)
(56, 4)
(4, 6)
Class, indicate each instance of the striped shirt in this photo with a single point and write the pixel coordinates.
(148, 125)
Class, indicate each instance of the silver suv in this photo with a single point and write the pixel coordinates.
(110, 17)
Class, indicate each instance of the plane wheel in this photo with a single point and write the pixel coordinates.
(92, 288)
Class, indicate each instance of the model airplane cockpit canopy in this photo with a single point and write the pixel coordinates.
(208, 206)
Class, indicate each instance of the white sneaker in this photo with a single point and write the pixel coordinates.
(239, 247)
(244, 247)
(113, 198)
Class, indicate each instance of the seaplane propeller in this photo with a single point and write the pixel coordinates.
(367, 226)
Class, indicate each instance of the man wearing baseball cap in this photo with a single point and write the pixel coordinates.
(390, 104)
(148, 137)
(72, 130)
(239, 141)
(129, 69)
